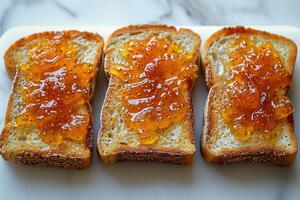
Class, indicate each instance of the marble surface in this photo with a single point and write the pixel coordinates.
(149, 181)
(121, 12)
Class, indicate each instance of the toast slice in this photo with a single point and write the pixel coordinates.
(48, 117)
(118, 139)
(219, 142)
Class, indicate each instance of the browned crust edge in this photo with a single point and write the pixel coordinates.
(50, 158)
(149, 154)
(174, 157)
(268, 156)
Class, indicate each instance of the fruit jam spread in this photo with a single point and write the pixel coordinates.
(157, 79)
(256, 81)
(56, 89)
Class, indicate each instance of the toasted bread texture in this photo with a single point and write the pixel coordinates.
(218, 144)
(22, 143)
(117, 142)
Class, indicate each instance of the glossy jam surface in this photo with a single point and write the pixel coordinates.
(56, 89)
(157, 77)
(255, 81)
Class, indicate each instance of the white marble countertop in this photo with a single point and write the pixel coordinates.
(122, 12)
(178, 12)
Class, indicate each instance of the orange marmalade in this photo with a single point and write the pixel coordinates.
(255, 81)
(157, 78)
(56, 89)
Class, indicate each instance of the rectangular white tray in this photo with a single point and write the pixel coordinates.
(149, 180)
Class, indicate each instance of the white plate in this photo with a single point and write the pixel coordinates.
(149, 180)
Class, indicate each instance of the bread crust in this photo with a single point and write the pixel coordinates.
(57, 158)
(144, 152)
(49, 159)
(128, 154)
(266, 154)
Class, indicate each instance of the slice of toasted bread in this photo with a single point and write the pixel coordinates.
(22, 142)
(116, 141)
(218, 143)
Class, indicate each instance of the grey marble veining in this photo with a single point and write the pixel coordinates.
(117, 12)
